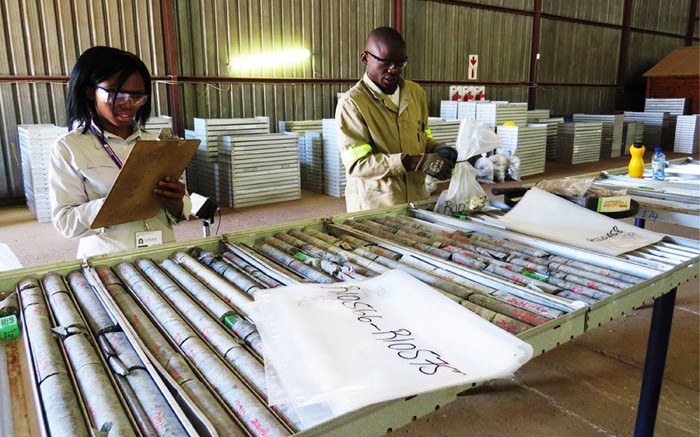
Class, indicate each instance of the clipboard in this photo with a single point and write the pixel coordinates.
(131, 196)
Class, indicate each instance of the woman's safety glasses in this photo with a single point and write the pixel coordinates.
(112, 97)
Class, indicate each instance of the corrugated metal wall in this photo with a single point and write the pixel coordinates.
(211, 33)
(277, 101)
(39, 44)
(600, 11)
(577, 71)
(523, 5)
(669, 16)
(442, 52)
(577, 53)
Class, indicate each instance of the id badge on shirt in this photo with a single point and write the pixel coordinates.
(149, 238)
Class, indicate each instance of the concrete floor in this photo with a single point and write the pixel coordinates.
(587, 387)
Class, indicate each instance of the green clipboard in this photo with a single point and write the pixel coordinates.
(131, 197)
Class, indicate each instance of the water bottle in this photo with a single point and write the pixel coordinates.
(658, 165)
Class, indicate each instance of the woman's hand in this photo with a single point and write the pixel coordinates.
(170, 193)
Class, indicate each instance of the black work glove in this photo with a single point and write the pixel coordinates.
(432, 164)
(447, 152)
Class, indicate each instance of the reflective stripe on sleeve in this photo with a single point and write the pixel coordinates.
(429, 133)
(356, 152)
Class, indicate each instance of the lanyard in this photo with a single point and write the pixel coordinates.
(106, 146)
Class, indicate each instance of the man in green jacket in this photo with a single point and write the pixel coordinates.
(384, 140)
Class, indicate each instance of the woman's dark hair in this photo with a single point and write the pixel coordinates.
(95, 65)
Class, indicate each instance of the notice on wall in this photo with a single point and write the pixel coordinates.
(473, 67)
(334, 348)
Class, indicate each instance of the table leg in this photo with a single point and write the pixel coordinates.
(657, 348)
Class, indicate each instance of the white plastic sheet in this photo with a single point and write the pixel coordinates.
(331, 349)
(8, 259)
(546, 215)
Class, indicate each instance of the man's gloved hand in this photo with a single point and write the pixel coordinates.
(432, 164)
(447, 152)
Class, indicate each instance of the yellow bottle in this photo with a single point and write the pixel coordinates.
(636, 165)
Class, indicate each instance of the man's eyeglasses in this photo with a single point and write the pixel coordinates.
(388, 63)
(112, 97)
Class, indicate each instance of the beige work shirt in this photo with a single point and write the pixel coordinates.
(81, 174)
(374, 134)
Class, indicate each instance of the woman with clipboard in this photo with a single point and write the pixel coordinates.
(108, 102)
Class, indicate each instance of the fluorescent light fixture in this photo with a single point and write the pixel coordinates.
(271, 59)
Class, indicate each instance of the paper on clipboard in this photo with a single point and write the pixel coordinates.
(131, 196)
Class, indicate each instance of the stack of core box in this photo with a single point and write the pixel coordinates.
(529, 143)
(444, 131)
(578, 142)
(310, 151)
(496, 113)
(535, 115)
(203, 170)
(35, 141)
(672, 106)
(552, 127)
(155, 124)
(611, 138)
(311, 161)
(448, 109)
(687, 134)
(334, 178)
(632, 133)
(259, 169)
(467, 110)
(659, 128)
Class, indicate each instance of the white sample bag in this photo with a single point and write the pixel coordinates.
(548, 216)
(334, 348)
(464, 193)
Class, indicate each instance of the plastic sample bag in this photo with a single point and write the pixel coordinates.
(333, 348)
(513, 168)
(464, 193)
(500, 163)
(484, 170)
